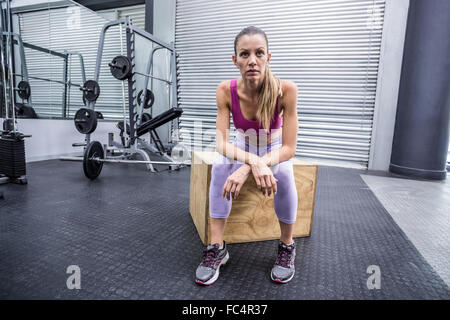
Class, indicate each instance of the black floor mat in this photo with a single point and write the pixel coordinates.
(131, 234)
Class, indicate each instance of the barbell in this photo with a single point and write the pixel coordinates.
(94, 157)
(91, 89)
(49, 80)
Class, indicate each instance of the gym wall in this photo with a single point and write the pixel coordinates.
(353, 136)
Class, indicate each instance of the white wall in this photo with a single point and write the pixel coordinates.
(164, 20)
(53, 138)
(388, 83)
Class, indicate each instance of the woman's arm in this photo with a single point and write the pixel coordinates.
(236, 180)
(290, 127)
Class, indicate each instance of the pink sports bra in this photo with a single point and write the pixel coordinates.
(241, 123)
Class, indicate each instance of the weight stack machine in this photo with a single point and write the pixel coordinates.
(12, 157)
(12, 146)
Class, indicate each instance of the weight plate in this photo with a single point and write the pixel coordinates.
(91, 167)
(8, 125)
(99, 115)
(24, 89)
(24, 111)
(91, 90)
(85, 120)
(19, 108)
(120, 67)
(146, 117)
(150, 99)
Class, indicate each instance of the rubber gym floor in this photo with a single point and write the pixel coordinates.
(131, 234)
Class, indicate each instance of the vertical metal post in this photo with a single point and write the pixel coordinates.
(124, 110)
(9, 57)
(131, 83)
(64, 79)
(173, 69)
(83, 73)
(23, 62)
(2, 63)
(69, 81)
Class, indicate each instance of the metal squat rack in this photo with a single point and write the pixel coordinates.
(138, 123)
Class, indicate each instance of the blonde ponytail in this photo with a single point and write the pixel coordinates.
(269, 92)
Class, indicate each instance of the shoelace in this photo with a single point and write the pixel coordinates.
(209, 256)
(284, 257)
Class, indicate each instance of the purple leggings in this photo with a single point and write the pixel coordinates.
(285, 201)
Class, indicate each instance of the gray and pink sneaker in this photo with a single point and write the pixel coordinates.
(283, 271)
(213, 257)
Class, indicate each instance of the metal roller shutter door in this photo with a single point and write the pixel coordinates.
(137, 14)
(329, 48)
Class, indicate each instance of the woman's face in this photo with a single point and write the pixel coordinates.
(252, 57)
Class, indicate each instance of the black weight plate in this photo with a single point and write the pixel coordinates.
(120, 67)
(85, 120)
(150, 99)
(28, 112)
(24, 111)
(91, 90)
(8, 125)
(93, 168)
(19, 108)
(24, 89)
(99, 115)
(146, 117)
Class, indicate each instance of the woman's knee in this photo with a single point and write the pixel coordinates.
(284, 173)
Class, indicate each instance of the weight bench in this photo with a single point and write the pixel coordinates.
(152, 124)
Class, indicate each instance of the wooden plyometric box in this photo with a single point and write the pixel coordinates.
(252, 216)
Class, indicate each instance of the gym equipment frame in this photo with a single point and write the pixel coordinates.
(123, 68)
(67, 58)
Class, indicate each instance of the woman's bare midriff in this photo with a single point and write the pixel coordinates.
(262, 139)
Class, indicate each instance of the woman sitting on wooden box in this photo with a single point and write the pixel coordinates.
(259, 103)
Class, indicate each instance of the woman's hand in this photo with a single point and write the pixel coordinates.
(264, 178)
(235, 182)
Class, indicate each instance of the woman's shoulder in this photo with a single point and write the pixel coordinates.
(224, 85)
(289, 93)
(288, 87)
(223, 93)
